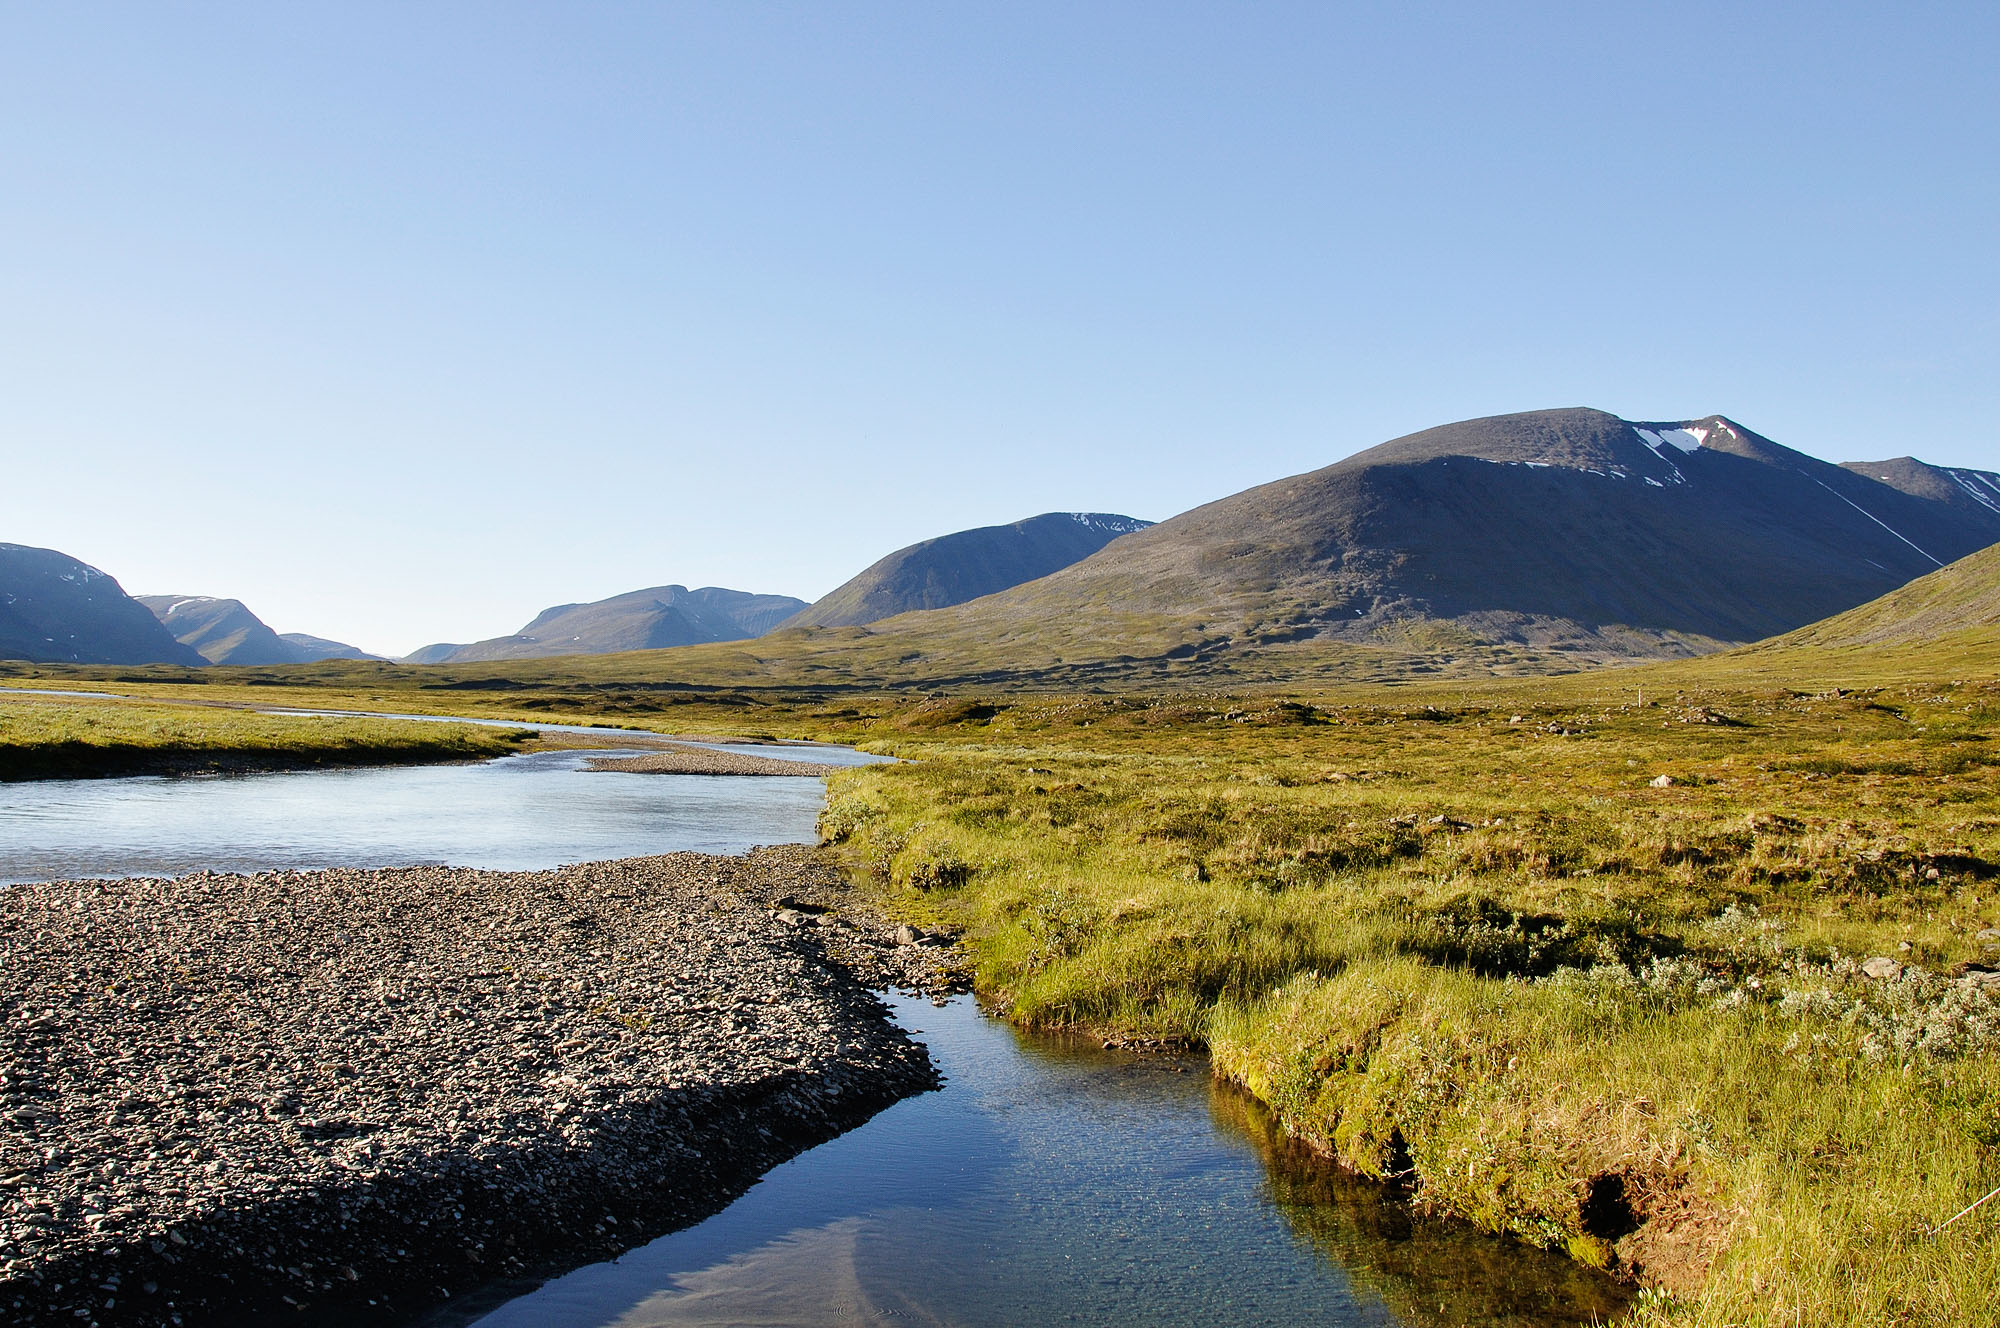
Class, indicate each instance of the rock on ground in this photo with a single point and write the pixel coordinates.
(344, 1096)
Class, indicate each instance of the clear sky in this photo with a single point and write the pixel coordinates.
(401, 322)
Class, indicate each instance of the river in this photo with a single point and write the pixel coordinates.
(1048, 1182)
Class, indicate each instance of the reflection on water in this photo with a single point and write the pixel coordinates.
(1434, 1274)
(1054, 1183)
(515, 814)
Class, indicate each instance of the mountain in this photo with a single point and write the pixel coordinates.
(56, 609)
(952, 569)
(640, 620)
(316, 648)
(223, 631)
(1973, 492)
(1551, 531)
(1960, 598)
(435, 653)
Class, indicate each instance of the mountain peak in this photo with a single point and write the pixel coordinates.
(952, 569)
(1570, 529)
(225, 631)
(56, 608)
(649, 619)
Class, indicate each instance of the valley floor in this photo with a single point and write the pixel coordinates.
(1689, 970)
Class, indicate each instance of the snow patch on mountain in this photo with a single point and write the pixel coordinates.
(1880, 522)
(1688, 439)
(1984, 488)
(1117, 525)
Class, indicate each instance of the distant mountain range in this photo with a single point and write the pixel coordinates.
(223, 631)
(640, 620)
(56, 609)
(951, 569)
(1548, 539)
(1559, 530)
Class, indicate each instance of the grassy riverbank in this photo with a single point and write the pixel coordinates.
(44, 737)
(1577, 963)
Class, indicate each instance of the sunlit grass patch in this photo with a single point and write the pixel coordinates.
(1481, 946)
(47, 737)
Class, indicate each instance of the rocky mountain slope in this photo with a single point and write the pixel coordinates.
(1960, 598)
(1561, 530)
(56, 609)
(224, 631)
(951, 569)
(648, 619)
(1973, 492)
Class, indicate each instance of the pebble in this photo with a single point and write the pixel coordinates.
(692, 760)
(344, 1089)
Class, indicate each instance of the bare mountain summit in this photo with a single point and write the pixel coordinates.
(639, 620)
(1558, 530)
(951, 569)
(224, 631)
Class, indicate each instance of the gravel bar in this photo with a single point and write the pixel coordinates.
(706, 761)
(344, 1097)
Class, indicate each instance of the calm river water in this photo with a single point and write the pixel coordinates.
(1048, 1182)
(513, 814)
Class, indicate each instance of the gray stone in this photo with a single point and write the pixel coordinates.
(1881, 966)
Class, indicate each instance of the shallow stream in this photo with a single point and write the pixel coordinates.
(1052, 1182)
(517, 813)
(1049, 1181)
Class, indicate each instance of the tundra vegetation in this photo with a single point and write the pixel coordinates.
(44, 737)
(1680, 969)
(1570, 964)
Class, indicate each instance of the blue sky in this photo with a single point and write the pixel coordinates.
(402, 322)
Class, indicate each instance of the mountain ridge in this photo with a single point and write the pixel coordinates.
(655, 618)
(225, 631)
(964, 565)
(1551, 529)
(57, 609)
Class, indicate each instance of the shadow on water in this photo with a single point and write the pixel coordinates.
(1053, 1182)
(1432, 1273)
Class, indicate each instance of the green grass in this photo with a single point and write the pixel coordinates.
(1491, 952)
(63, 738)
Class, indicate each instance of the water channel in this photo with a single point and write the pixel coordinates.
(1047, 1182)
(517, 813)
